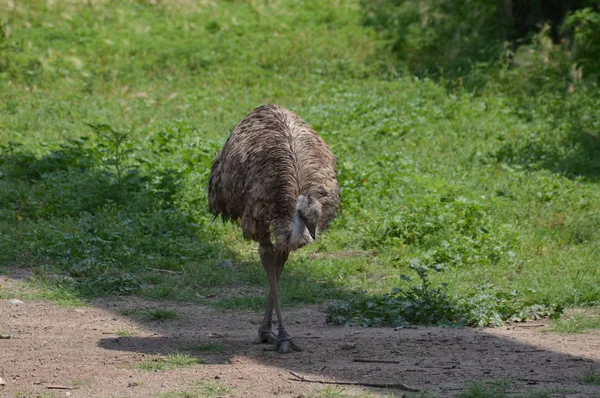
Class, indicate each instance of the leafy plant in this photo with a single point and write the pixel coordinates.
(428, 304)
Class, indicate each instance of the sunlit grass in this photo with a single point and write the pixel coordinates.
(575, 323)
(172, 361)
(482, 184)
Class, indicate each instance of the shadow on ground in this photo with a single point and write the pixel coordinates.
(435, 360)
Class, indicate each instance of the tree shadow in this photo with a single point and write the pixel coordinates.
(573, 151)
(95, 219)
(438, 361)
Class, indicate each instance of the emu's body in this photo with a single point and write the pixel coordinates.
(277, 176)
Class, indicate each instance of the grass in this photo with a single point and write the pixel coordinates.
(125, 333)
(501, 388)
(494, 389)
(37, 289)
(171, 361)
(111, 114)
(579, 322)
(200, 389)
(330, 392)
(592, 377)
(214, 389)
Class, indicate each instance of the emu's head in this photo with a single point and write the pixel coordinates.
(308, 211)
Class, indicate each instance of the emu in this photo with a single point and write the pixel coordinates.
(277, 177)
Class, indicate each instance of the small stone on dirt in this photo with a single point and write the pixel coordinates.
(350, 346)
(5, 336)
(15, 301)
(2, 383)
(133, 384)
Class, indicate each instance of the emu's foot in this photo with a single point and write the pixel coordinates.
(266, 337)
(284, 346)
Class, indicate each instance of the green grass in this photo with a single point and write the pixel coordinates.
(495, 389)
(199, 389)
(575, 323)
(592, 377)
(171, 361)
(214, 389)
(330, 392)
(111, 114)
(503, 389)
(125, 333)
(37, 289)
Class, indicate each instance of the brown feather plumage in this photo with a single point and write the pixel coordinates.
(271, 158)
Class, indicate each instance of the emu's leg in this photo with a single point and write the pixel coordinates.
(265, 334)
(285, 344)
(273, 262)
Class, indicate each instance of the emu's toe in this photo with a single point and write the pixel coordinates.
(266, 337)
(284, 346)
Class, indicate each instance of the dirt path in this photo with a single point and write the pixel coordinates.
(85, 348)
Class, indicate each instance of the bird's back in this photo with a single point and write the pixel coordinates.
(270, 158)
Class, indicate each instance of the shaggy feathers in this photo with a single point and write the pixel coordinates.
(271, 160)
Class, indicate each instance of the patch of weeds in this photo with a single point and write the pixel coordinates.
(180, 359)
(574, 324)
(212, 389)
(153, 365)
(172, 361)
(494, 389)
(329, 392)
(452, 230)
(208, 347)
(125, 333)
(592, 377)
(434, 305)
(181, 394)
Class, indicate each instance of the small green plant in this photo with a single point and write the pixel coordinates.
(113, 148)
(214, 389)
(125, 333)
(180, 359)
(592, 377)
(495, 389)
(172, 361)
(329, 392)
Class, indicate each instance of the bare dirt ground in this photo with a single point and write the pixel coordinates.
(85, 350)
